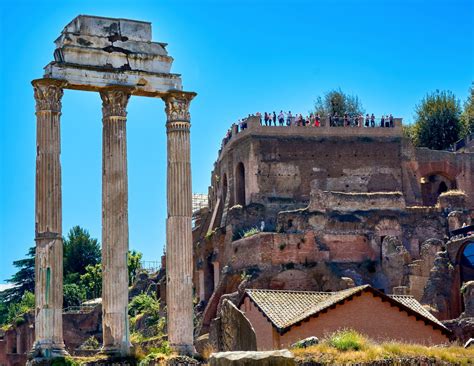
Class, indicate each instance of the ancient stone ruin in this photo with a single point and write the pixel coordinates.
(329, 208)
(117, 59)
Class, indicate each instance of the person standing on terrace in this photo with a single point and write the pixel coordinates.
(390, 120)
(317, 120)
(372, 120)
(382, 121)
(265, 118)
(274, 118)
(281, 118)
(288, 118)
(367, 119)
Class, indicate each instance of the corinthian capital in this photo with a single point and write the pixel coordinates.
(114, 101)
(48, 94)
(177, 106)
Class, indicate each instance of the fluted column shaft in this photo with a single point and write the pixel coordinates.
(48, 221)
(115, 222)
(179, 256)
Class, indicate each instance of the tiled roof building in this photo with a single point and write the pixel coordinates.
(281, 318)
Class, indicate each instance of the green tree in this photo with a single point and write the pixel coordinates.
(336, 101)
(438, 124)
(91, 281)
(23, 280)
(74, 295)
(16, 310)
(134, 265)
(467, 116)
(80, 251)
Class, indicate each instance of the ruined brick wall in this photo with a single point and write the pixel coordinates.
(325, 196)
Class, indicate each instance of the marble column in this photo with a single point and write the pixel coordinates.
(115, 222)
(179, 250)
(48, 221)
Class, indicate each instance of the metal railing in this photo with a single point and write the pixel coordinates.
(81, 309)
(462, 232)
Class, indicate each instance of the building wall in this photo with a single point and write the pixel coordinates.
(266, 336)
(290, 162)
(368, 315)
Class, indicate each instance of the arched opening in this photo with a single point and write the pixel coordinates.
(240, 184)
(432, 185)
(466, 263)
(210, 285)
(224, 188)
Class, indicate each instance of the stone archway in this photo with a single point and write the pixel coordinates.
(433, 184)
(461, 256)
(87, 59)
(466, 262)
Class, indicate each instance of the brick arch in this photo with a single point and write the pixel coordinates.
(445, 168)
(433, 184)
(455, 251)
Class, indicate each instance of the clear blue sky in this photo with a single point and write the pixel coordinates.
(240, 57)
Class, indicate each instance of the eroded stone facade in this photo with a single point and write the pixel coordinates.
(332, 208)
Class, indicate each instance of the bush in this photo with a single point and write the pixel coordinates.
(73, 295)
(90, 343)
(142, 304)
(250, 232)
(16, 311)
(347, 339)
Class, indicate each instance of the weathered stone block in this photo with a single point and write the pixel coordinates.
(268, 358)
(236, 333)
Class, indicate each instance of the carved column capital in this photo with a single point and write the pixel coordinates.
(48, 94)
(177, 106)
(114, 101)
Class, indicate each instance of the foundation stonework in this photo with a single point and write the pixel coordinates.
(117, 58)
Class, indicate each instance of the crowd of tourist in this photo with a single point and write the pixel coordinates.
(315, 120)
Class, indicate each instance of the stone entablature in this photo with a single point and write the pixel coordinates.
(94, 52)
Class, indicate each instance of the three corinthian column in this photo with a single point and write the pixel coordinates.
(48, 221)
(48, 231)
(115, 221)
(179, 255)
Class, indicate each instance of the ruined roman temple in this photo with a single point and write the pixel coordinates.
(117, 59)
(304, 230)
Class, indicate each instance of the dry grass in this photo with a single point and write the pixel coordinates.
(330, 352)
(207, 351)
(453, 192)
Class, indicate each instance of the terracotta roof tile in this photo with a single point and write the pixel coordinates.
(285, 308)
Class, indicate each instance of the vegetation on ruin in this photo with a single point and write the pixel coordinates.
(250, 232)
(336, 101)
(467, 115)
(16, 311)
(438, 121)
(349, 346)
(148, 327)
(82, 276)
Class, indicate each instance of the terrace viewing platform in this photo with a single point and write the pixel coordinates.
(255, 128)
